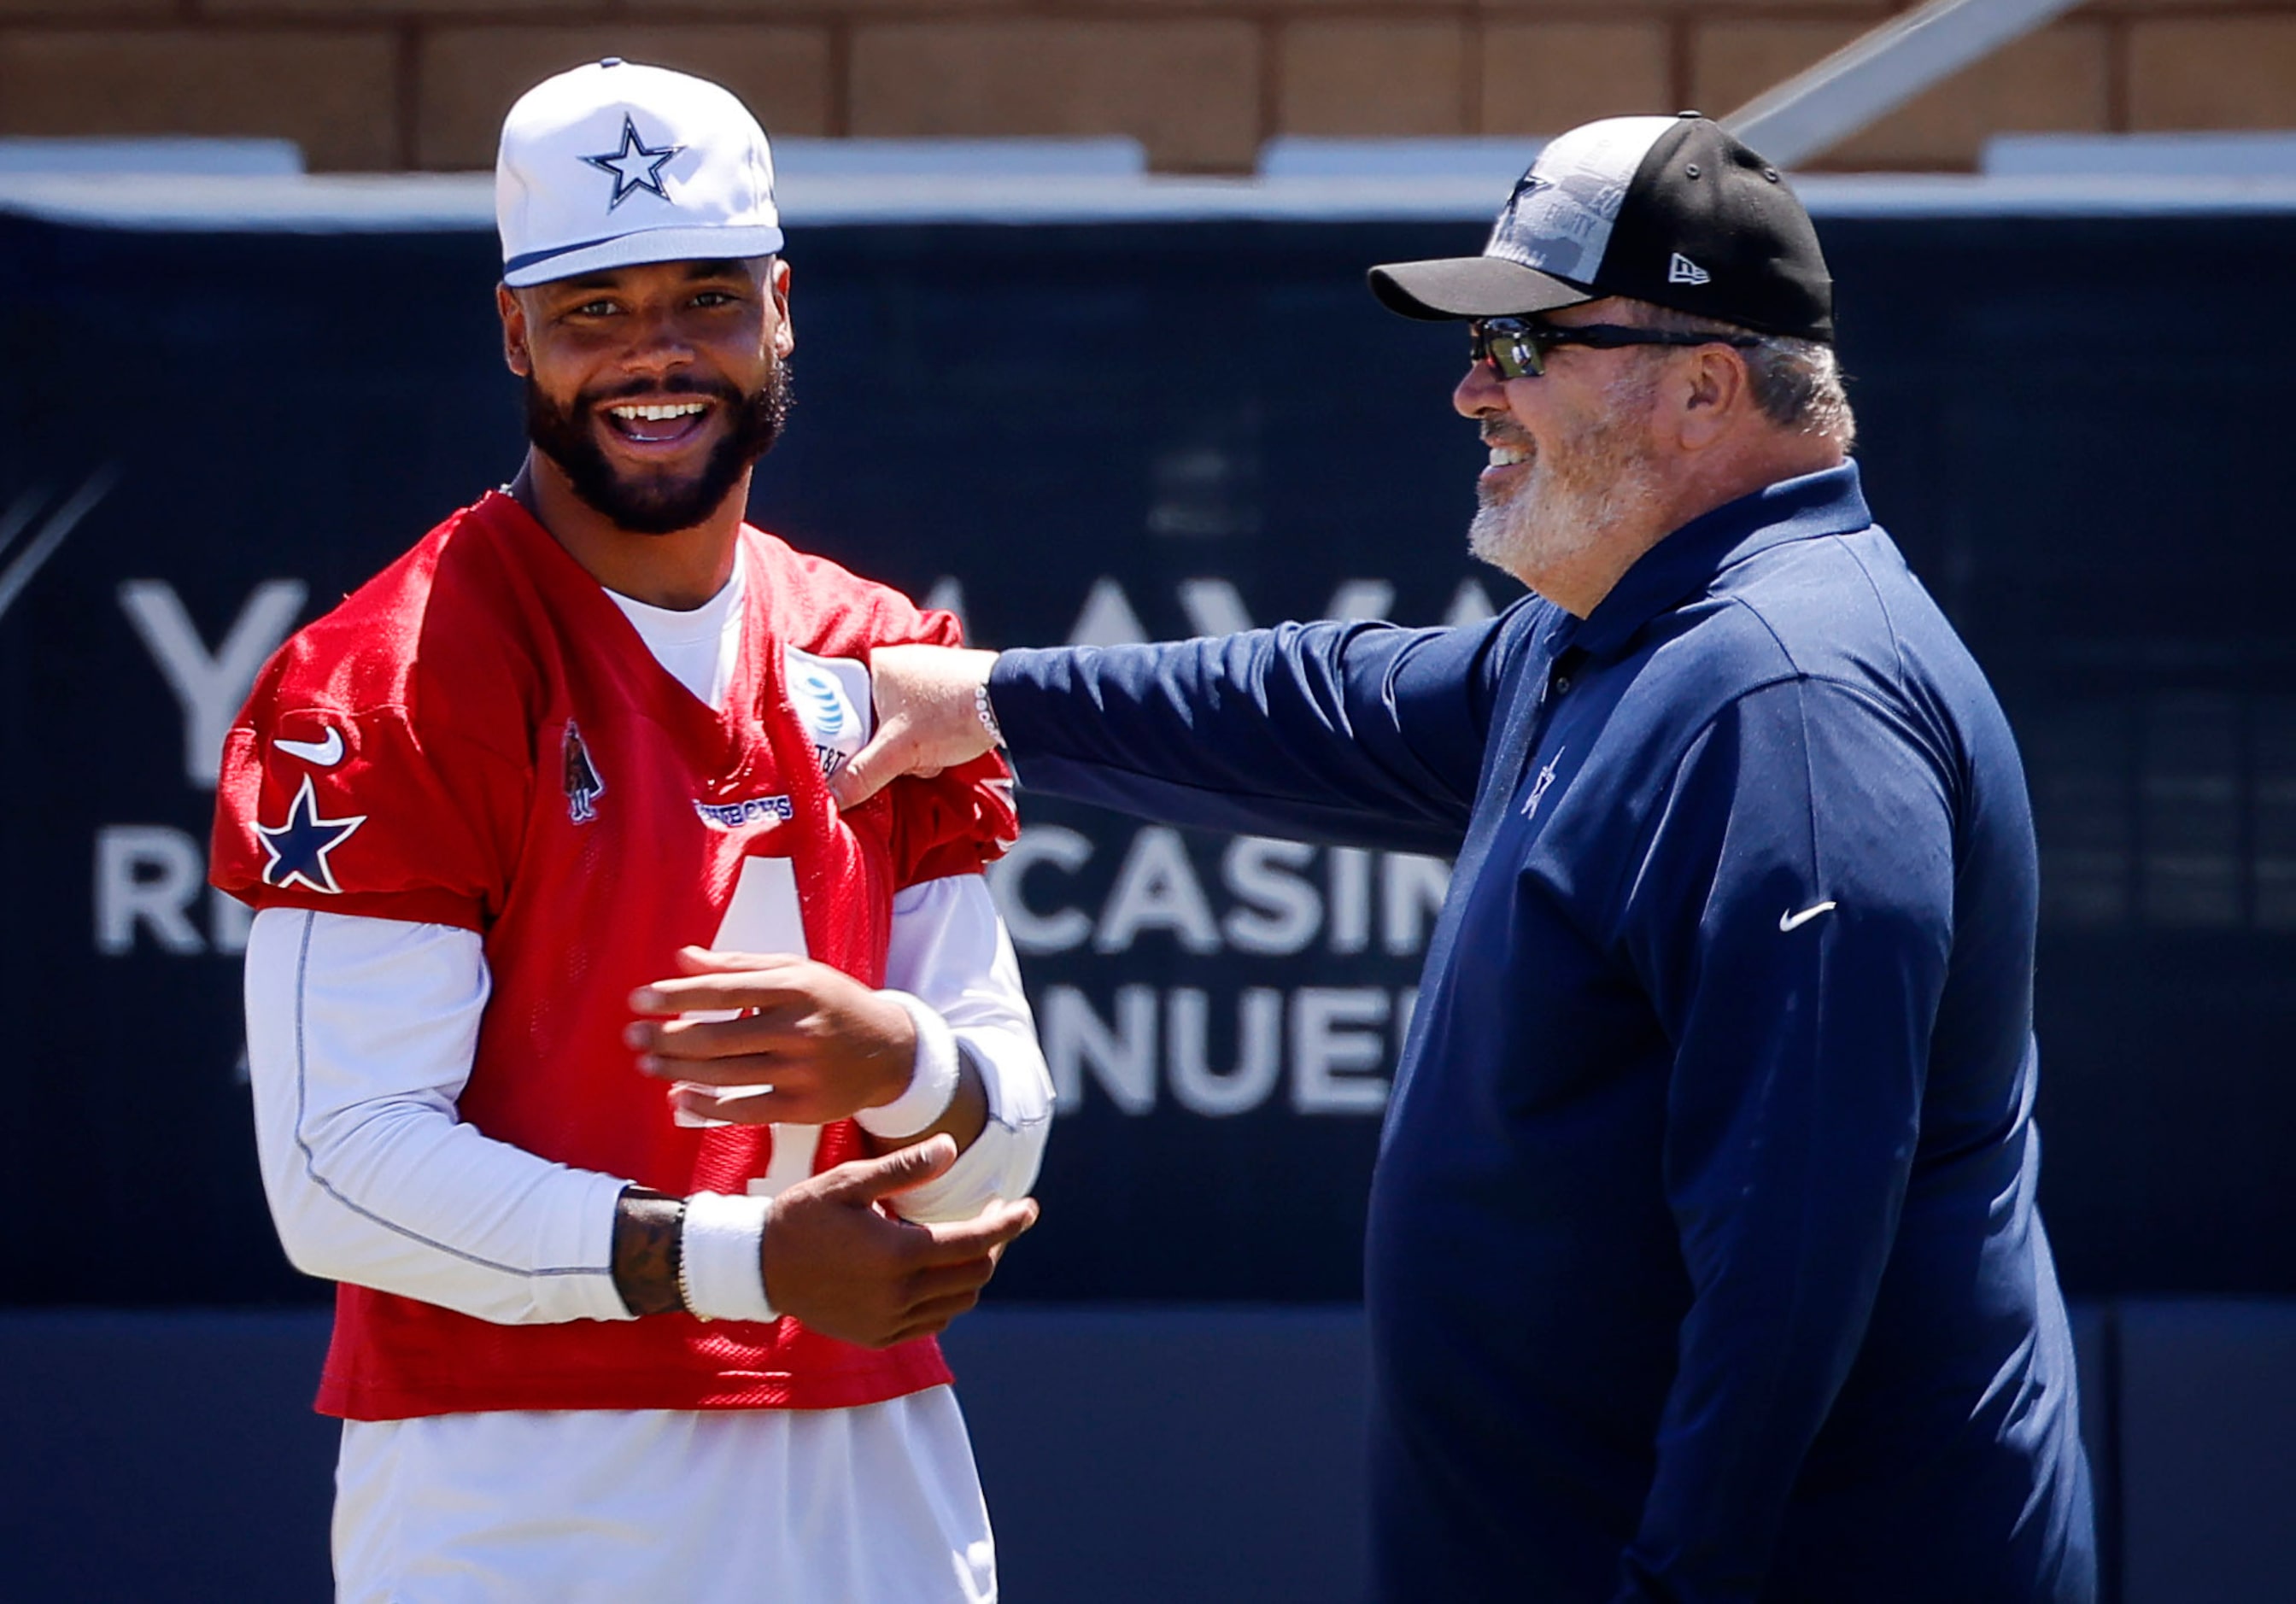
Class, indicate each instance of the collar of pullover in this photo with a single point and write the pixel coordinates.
(1688, 563)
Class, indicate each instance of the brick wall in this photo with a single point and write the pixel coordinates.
(380, 83)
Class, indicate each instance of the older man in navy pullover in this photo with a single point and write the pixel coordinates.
(1703, 1262)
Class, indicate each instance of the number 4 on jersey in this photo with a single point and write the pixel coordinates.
(763, 917)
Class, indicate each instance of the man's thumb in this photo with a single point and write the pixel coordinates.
(903, 1168)
(864, 773)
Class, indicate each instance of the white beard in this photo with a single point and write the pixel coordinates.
(1570, 498)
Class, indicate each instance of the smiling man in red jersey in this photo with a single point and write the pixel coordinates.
(652, 1114)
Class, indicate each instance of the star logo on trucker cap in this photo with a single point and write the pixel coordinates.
(1526, 186)
(636, 166)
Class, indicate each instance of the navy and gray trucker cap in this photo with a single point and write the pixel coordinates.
(1670, 211)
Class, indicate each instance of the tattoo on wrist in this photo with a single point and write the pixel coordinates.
(648, 1228)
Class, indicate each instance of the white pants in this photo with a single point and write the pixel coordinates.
(876, 1505)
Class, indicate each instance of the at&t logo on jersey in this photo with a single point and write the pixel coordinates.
(583, 786)
(829, 695)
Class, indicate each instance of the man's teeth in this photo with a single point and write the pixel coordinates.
(1507, 456)
(655, 415)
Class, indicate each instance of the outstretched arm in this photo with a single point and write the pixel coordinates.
(1353, 732)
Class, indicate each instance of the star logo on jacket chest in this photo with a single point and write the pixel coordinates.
(636, 166)
(298, 849)
(1545, 778)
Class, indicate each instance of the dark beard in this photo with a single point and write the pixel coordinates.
(658, 505)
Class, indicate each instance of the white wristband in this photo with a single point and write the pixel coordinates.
(932, 1083)
(724, 1275)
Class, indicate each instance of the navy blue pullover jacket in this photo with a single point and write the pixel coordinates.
(1702, 1261)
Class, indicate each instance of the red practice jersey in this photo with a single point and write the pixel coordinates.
(478, 737)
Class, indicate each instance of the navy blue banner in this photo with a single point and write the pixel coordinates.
(1108, 433)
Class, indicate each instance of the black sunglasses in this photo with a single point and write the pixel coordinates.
(1516, 348)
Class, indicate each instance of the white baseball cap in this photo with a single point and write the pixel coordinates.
(614, 164)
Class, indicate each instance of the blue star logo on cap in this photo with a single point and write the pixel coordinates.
(636, 166)
(1525, 187)
(298, 848)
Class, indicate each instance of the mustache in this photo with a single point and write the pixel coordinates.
(677, 384)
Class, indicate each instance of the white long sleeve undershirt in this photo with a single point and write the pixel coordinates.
(360, 1037)
(361, 1034)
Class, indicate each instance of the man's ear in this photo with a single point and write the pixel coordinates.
(777, 283)
(1714, 394)
(514, 323)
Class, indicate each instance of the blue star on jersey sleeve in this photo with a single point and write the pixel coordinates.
(298, 848)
